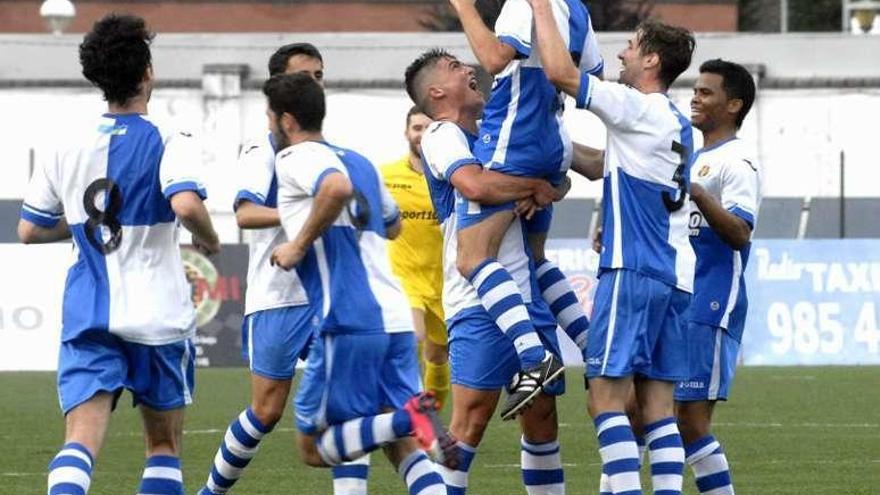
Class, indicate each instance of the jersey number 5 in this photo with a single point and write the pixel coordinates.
(107, 218)
(678, 178)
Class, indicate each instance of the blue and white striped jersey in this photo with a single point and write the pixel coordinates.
(347, 274)
(645, 206)
(445, 148)
(112, 181)
(730, 174)
(522, 132)
(267, 286)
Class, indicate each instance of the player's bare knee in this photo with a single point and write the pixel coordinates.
(268, 413)
(540, 422)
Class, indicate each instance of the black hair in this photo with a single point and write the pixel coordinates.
(278, 60)
(737, 82)
(414, 75)
(115, 56)
(300, 96)
(674, 45)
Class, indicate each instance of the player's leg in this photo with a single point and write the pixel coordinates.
(436, 352)
(399, 383)
(664, 362)
(555, 288)
(540, 457)
(471, 411)
(713, 354)
(616, 330)
(479, 238)
(271, 342)
(91, 373)
(336, 412)
(161, 379)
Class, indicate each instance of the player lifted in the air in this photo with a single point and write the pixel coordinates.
(522, 134)
(360, 390)
(646, 268)
(726, 189)
(118, 183)
(482, 357)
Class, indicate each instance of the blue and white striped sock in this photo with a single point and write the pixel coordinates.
(420, 475)
(605, 484)
(709, 463)
(457, 479)
(351, 478)
(558, 294)
(70, 472)
(352, 439)
(542, 468)
(503, 301)
(666, 453)
(239, 446)
(162, 476)
(620, 456)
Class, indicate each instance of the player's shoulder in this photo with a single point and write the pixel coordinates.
(444, 130)
(170, 128)
(737, 155)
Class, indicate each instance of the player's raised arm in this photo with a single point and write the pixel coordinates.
(588, 162)
(493, 188)
(555, 57)
(491, 52)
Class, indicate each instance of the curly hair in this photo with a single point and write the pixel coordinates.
(115, 55)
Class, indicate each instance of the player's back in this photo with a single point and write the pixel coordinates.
(113, 180)
(730, 174)
(346, 273)
(647, 165)
(522, 121)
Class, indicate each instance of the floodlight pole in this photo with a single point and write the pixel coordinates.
(842, 194)
(783, 16)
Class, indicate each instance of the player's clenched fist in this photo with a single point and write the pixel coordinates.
(287, 255)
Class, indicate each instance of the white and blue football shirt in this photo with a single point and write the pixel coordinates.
(112, 180)
(267, 286)
(645, 205)
(445, 148)
(522, 132)
(346, 273)
(730, 174)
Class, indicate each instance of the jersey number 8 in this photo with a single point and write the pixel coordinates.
(107, 218)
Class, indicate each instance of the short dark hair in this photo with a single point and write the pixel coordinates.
(115, 56)
(278, 60)
(300, 96)
(737, 82)
(414, 110)
(414, 73)
(674, 45)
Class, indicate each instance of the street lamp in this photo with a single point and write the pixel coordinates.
(58, 14)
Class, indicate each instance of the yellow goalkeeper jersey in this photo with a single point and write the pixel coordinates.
(416, 253)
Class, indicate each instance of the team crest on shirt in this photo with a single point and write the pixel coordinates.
(704, 171)
(715, 305)
(487, 138)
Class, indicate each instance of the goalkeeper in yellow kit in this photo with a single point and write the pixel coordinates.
(416, 255)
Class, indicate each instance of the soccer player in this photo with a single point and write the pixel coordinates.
(279, 322)
(118, 184)
(646, 267)
(521, 133)
(360, 390)
(416, 254)
(481, 356)
(726, 189)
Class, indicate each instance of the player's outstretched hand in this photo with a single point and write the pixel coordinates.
(545, 194)
(208, 248)
(287, 255)
(563, 188)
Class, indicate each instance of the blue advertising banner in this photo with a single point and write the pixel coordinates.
(811, 302)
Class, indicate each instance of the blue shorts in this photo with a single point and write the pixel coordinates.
(355, 375)
(161, 377)
(481, 357)
(713, 354)
(272, 340)
(638, 327)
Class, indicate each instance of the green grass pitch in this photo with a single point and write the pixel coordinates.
(795, 431)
